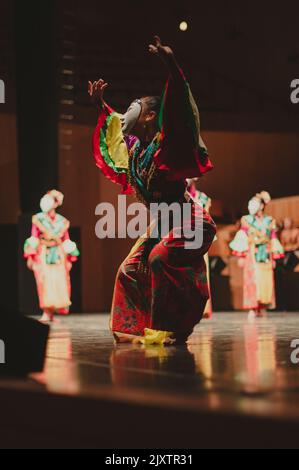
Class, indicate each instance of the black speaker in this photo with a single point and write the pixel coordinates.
(23, 344)
(76, 273)
(28, 298)
(221, 293)
(217, 264)
(287, 288)
(9, 299)
(290, 261)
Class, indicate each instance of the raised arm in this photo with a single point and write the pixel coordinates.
(70, 247)
(110, 149)
(168, 57)
(240, 244)
(179, 121)
(96, 92)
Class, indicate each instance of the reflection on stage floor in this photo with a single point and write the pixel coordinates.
(232, 367)
(228, 355)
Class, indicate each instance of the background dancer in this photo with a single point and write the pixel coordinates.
(257, 244)
(50, 254)
(204, 200)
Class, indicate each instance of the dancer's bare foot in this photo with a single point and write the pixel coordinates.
(207, 316)
(252, 315)
(121, 338)
(46, 317)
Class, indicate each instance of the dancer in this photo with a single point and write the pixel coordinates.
(257, 244)
(50, 254)
(161, 289)
(204, 200)
(289, 238)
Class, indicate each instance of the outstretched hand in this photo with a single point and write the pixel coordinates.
(165, 52)
(96, 91)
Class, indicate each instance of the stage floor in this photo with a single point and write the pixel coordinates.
(234, 384)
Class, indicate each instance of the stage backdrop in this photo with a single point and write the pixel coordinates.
(9, 192)
(285, 207)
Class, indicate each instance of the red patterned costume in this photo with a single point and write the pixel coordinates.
(161, 288)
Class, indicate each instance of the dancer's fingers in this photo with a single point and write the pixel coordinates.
(158, 41)
(153, 49)
(91, 88)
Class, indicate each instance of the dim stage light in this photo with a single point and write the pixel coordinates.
(184, 26)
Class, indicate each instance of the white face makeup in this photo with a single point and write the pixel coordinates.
(47, 204)
(254, 206)
(130, 118)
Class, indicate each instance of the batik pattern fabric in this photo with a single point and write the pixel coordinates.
(50, 254)
(258, 243)
(161, 286)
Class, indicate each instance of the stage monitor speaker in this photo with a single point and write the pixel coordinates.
(23, 344)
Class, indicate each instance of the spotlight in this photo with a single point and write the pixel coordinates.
(184, 26)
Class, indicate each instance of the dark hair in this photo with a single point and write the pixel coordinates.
(153, 103)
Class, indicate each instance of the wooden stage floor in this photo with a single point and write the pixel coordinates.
(233, 386)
